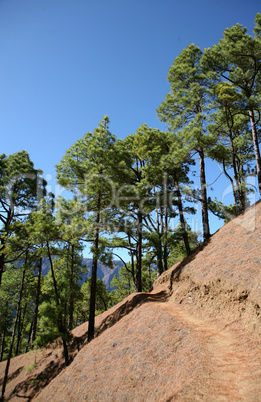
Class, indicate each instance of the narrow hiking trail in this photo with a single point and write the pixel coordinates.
(232, 364)
(161, 351)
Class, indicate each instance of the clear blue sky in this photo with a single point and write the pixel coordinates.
(67, 63)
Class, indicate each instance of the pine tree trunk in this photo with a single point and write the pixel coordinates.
(159, 260)
(2, 245)
(61, 327)
(3, 343)
(204, 203)
(132, 261)
(53, 275)
(256, 148)
(20, 329)
(91, 325)
(36, 307)
(165, 246)
(238, 193)
(149, 276)
(103, 301)
(13, 337)
(182, 219)
(18, 337)
(2, 262)
(159, 247)
(71, 306)
(138, 280)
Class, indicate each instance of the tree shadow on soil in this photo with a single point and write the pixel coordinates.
(125, 308)
(36, 383)
(13, 375)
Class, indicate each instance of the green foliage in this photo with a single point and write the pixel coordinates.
(102, 303)
(225, 212)
(236, 59)
(257, 28)
(185, 110)
(185, 106)
(67, 270)
(8, 302)
(88, 167)
(9, 296)
(178, 250)
(124, 285)
(20, 183)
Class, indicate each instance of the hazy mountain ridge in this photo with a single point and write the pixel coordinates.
(104, 273)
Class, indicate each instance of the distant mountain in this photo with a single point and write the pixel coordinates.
(104, 272)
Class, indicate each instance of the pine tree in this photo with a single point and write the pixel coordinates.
(237, 59)
(133, 201)
(44, 232)
(185, 111)
(234, 147)
(102, 302)
(21, 188)
(89, 168)
(166, 176)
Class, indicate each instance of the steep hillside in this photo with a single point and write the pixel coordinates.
(196, 336)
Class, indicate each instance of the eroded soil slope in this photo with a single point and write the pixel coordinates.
(160, 352)
(196, 336)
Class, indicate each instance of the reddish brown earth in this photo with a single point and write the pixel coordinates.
(195, 337)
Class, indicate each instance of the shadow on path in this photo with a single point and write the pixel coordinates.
(128, 306)
(29, 388)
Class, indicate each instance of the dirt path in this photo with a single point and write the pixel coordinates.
(232, 367)
(159, 351)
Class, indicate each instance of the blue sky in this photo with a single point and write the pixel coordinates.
(67, 63)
